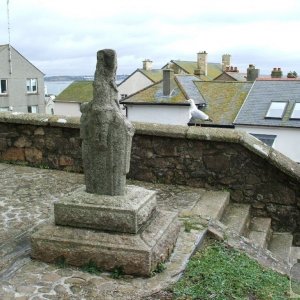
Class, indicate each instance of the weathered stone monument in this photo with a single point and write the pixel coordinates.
(106, 133)
(107, 222)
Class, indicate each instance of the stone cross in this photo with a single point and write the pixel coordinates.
(106, 133)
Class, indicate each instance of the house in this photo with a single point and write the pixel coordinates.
(201, 68)
(166, 101)
(69, 100)
(21, 83)
(142, 78)
(271, 112)
(139, 79)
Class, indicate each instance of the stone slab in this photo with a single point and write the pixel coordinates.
(136, 254)
(212, 204)
(126, 213)
(237, 217)
(280, 244)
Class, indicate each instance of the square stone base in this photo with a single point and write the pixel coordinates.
(126, 213)
(137, 254)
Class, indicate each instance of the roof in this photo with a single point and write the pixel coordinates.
(77, 91)
(235, 76)
(155, 75)
(263, 92)
(220, 100)
(223, 99)
(213, 69)
(154, 95)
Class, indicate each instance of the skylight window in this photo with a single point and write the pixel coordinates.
(276, 110)
(296, 111)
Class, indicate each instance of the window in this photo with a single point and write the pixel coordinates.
(265, 138)
(296, 111)
(31, 85)
(123, 96)
(33, 109)
(276, 110)
(4, 109)
(3, 86)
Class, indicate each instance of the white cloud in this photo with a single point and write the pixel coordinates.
(63, 36)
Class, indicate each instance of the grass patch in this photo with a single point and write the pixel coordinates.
(117, 273)
(218, 272)
(190, 225)
(91, 268)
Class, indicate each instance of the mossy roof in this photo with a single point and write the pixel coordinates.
(154, 75)
(154, 95)
(223, 99)
(78, 91)
(213, 69)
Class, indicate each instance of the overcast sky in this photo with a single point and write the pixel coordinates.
(61, 37)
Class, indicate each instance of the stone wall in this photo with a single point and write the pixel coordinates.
(202, 157)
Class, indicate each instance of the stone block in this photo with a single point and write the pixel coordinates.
(126, 213)
(14, 154)
(135, 254)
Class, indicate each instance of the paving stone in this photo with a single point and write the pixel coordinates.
(29, 194)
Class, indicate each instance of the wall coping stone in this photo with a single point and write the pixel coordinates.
(255, 146)
(39, 119)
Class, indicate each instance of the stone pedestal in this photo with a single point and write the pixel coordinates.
(125, 232)
(126, 213)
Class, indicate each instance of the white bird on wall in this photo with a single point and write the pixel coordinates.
(196, 113)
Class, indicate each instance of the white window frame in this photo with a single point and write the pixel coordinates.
(32, 85)
(276, 109)
(33, 109)
(3, 91)
(296, 111)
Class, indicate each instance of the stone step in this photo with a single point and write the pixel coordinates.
(294, 255)
(212, 204)
(237, 217)
(260, 231)
(280, 244)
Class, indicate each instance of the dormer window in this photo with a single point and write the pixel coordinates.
(276, 110)
(296, 111)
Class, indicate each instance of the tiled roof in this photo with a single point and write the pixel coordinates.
(213, 69)
(263, 92)
(189, 88)
(224, 99)
(77, 91)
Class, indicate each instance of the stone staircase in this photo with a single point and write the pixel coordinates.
(237, 217)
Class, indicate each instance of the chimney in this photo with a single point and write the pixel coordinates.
(226, 61)
(147, 65)
(201, 63)
(276, 73)
(252, 73)
(168, 75)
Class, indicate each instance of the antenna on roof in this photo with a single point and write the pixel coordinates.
(9, 48)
